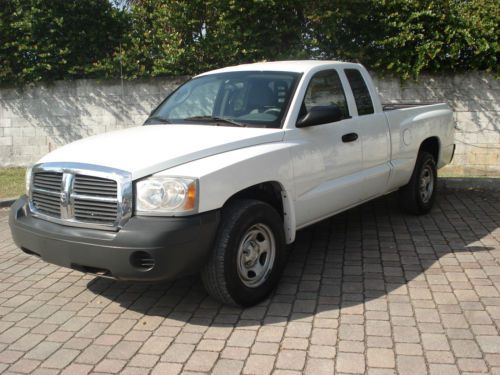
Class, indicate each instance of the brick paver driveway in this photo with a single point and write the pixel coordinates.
(371, 290)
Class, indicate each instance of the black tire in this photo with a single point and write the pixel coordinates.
(221, 275)
(411, 198)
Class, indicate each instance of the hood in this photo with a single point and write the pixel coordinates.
(144, 150)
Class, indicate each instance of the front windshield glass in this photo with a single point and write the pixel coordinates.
(247, 98)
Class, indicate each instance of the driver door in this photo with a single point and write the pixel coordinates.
(327, 159)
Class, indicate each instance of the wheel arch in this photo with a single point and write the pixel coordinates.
(432, 145)
(274, 194)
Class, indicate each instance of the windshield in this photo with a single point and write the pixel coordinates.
(254, 99)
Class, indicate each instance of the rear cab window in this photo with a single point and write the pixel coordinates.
(360, 91)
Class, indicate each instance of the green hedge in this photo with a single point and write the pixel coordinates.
(56, 39)
(64, 39)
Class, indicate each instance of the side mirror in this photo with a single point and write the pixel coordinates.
(318, 115)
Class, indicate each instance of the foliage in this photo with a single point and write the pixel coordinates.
(55, 39)
(443, 35)
(186, 37)
(142, 38)
(408, 36)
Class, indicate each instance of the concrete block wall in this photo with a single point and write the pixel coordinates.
(39, 118)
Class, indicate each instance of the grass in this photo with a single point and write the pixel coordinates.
(11, 182)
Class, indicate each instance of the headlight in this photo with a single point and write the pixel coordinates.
(27, 181)
(161, 195)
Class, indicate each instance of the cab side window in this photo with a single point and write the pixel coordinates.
(325, 89)
(360, 91)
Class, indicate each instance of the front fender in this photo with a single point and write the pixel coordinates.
(223, 175)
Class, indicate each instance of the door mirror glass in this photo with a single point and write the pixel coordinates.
(318, 115)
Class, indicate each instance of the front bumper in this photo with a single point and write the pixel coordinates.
(146, 248)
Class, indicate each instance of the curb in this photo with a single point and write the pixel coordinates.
(472, 183)
(7, 202)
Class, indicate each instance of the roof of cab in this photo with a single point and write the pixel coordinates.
(299, 66)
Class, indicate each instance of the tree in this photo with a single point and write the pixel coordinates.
(187, 37)
(407, 37)
(61, 39)
(48, 40)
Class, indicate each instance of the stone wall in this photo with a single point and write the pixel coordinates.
(39, 118)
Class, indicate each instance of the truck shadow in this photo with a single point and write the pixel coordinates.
(352, 262)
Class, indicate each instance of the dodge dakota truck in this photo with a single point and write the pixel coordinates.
(225, 171)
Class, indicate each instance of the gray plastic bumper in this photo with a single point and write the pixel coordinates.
(146, 248)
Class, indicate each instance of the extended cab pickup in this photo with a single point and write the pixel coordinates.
(225, 171)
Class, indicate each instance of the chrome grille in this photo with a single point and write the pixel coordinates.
(69, 194)
(95, 212)
(95, 186)
(49, 204)
(47, 188)
(48, 181)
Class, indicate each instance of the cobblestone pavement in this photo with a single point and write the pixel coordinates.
(369, 291)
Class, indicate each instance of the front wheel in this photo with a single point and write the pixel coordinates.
(417, 197)
(248, 254)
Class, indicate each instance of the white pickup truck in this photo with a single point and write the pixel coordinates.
(225, 171)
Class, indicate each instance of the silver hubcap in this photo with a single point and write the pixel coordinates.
(426, 187)
(256, 255)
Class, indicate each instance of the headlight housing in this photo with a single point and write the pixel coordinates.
(27, 181)
(164, 196)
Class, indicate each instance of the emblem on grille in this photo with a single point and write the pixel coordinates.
(66, 209)
(64, 199)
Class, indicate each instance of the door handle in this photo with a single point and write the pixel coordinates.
(349, 137)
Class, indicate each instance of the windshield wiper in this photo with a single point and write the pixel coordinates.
(216, 120)
(157, 118)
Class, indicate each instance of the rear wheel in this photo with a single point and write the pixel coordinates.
(248, 254)
(417, 197)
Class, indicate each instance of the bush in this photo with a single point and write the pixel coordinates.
(58, 39)
(407, 37)
(187, 37)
